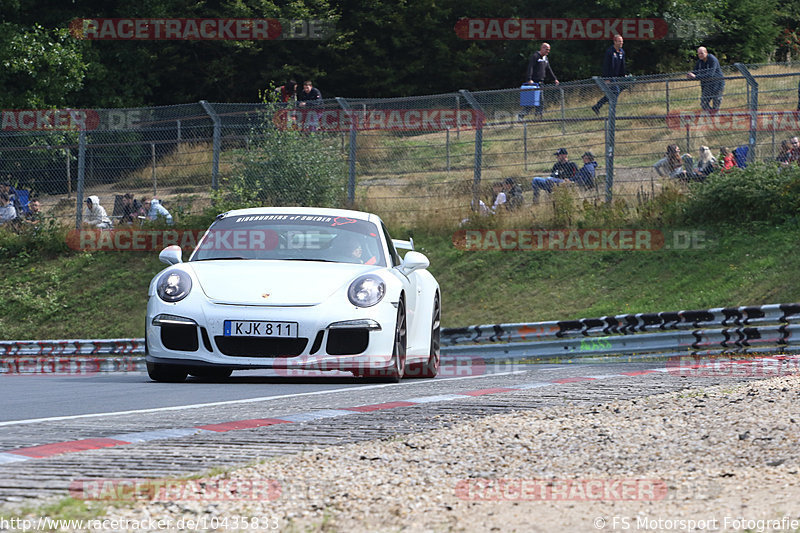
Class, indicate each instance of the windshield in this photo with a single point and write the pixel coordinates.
(292, 237)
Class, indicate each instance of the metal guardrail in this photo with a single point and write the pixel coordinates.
(718, 331)
(722, 330)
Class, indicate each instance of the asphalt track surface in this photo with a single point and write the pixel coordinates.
(160, 430)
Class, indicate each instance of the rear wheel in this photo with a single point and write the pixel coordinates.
(430, 368)
(166, 373)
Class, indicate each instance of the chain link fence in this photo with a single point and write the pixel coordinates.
(408, 159)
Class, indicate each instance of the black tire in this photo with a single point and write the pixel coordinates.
(395, 372)
(211, 372)
(166, 373)
(430, 368)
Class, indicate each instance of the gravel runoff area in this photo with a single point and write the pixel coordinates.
(722, 458)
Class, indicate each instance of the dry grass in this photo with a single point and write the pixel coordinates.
(405, 178)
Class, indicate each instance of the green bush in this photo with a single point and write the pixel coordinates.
(21, 240)
(758, 193)
(283, 166)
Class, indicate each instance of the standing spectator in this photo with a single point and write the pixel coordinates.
(613, 67)
(538, 67)
(712, 80)
(95, 214)
(131, 208)
(562, 170)
(309, 96)
(288, 92)
(154, 209)
(585, 176)
(7, 211)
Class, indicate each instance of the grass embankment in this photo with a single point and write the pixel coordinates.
(103, 294)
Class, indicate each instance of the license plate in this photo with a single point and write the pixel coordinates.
(259, 328)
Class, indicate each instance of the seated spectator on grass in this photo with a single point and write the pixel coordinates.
(706, 164)
(514, 198)
(34, 213)
(499, 196)
(154, 209)
(585, 176)
(131, 209)
(785, 154)
(795, 150)
(563, 170)
(671, 165)
(728, 161)
(95, 214)
(7, 211)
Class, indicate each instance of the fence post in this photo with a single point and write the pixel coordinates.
(611, 93)
(447, 148)
(81, 176)
(216, 140)
(153, 162)
(667, 95)
(69, 176)
(563, 116)
(752, 105)
(525, 144)
(351, 155)
(476, 179)
(179, 131)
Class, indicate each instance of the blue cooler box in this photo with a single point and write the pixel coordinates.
(530, 95)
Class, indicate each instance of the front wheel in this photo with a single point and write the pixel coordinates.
(430, 368)
(166, 373)
(395, 372)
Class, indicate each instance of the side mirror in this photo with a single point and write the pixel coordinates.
(413, 261)
(171, 255)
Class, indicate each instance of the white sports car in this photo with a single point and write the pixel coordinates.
(294, 288)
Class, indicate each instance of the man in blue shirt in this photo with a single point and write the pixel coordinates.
(712, 81)
(613, 67)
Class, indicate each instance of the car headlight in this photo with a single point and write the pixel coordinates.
(366, 291)
(174, 286)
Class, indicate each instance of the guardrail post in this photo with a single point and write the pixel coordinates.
(611, 125)
(81, 177)
(351, 154)
(216, 143)
(752, 105)
(476, 179)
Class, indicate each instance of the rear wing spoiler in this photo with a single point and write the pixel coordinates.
(404, 245)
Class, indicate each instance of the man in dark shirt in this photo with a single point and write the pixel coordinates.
(309, 96)
(712, 80)
(538, 67)
(613, 67)
(563, 170)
